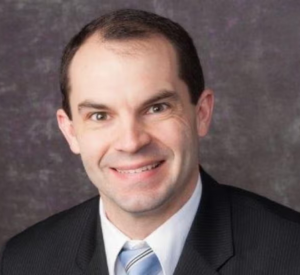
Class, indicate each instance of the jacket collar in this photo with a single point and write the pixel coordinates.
(91, 258)
(209, 243)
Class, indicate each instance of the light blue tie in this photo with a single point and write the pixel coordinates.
(140, 261)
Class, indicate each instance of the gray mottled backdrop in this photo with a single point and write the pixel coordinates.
(250, 52)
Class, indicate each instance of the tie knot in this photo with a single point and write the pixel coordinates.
(140, 261)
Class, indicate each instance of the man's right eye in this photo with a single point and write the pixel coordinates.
(98, 116)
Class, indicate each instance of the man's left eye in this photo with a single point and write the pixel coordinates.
(158, 108)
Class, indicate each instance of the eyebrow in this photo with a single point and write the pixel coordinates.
(163, 94)
(91, 105)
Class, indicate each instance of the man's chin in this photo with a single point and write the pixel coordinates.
(145, 208)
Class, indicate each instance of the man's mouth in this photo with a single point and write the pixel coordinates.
(140, 169)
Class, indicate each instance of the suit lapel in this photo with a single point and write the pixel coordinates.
(91, 258)
(209, 243)
(98, 263)
(192, 263)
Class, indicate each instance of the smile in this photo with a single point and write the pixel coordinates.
(139, 170)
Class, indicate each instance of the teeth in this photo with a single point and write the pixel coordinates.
(140, 170)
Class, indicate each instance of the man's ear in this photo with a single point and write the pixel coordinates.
(65, 124)
(204, 111)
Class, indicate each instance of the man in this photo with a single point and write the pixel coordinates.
(134, 106)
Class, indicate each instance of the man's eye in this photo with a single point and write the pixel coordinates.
(99, 116)
(158, 108)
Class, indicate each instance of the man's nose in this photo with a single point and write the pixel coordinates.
(132, 137)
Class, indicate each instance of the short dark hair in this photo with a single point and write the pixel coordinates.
(129, 24)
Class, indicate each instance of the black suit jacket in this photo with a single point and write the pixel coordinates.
(234, 232)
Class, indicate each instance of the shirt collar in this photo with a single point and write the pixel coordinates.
(167, 241)
(114, 239)
(172, 234)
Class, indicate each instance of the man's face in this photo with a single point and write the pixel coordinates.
(134, 126)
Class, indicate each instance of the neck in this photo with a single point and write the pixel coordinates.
(138, 226)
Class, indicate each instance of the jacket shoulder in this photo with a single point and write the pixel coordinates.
(243, 200)
(265, 232)
(49, 239)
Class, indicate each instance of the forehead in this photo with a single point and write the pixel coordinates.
(95, 49)
(125, 48)
(122, 67)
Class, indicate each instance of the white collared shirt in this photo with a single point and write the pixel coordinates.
(172, 234)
